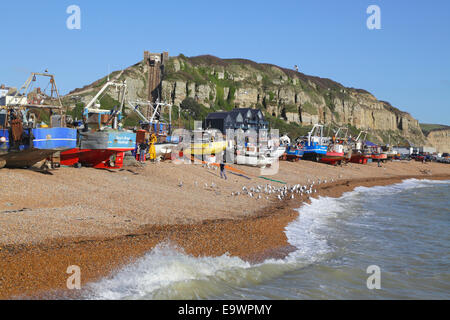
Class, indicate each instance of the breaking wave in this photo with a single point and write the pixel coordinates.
(166, 272)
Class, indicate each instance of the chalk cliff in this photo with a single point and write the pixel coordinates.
(440, 139)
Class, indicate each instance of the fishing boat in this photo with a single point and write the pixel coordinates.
(256, 157)
(334, 155)
(155, 130)
(342, 137)
(257, 151)
(24, 138)
(101, 140)
(206, 142)
(294, 152)
(360, 157)
(378, 154)
(389, 151)
(315, 146)
(360, 154)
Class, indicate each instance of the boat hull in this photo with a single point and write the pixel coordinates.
(25, 158)
(100, 150)
(314, 152)
(332, 157)
(207, 148)
(380, 156)
(253, 161)
(44, 143)
(360, 158)
(99, 159)
(251, 157)
(293, 154)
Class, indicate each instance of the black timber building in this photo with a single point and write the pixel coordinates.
(244, 118)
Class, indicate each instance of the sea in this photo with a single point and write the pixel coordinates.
(384, 242)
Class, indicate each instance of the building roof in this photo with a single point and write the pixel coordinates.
(245, 112)
(370, 144)
(217, 115)
(238, 115)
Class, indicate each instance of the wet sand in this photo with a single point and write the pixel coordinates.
(101, 220)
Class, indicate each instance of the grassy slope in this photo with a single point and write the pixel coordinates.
(428, 127)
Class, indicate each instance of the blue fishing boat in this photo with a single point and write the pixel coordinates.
(294, 152)
(24, 140)
(315, 145)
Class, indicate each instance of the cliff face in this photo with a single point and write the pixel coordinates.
(440, 139)
(283, 93)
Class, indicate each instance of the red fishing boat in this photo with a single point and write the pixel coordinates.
(360, 154)
(378, 154)
(360, 157)
(335, 154)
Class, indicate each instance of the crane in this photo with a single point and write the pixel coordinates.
(156, 111)
(94, 108)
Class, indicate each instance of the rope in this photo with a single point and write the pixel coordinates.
(282, 182)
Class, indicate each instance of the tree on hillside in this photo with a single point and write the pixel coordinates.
(196, 110)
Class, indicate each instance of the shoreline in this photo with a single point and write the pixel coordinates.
(34, 270)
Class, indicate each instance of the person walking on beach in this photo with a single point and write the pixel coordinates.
(143, 150)
(137, 153)
(222, 170)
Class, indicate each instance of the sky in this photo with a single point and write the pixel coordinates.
(406, 62)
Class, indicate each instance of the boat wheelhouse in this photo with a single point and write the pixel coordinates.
(315, 145)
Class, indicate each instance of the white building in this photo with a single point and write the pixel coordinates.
(427, 150)
(8, 99)
(403, 150)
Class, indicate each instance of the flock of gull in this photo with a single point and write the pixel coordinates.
(282, 193)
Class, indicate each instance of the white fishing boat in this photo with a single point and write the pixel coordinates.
(258, 155)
